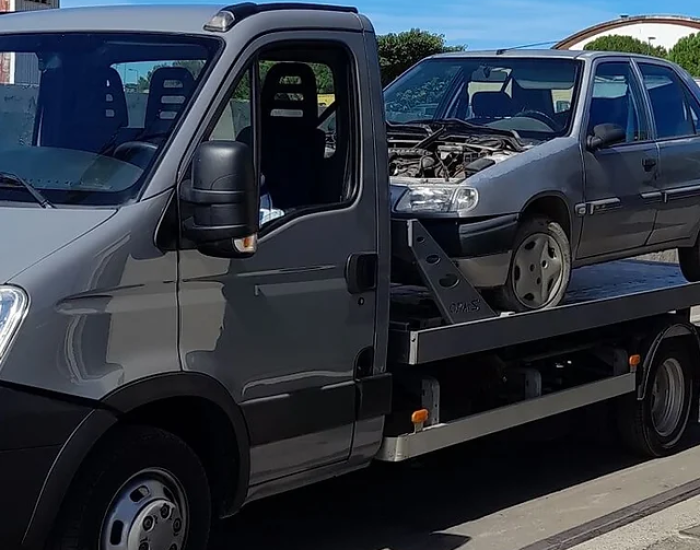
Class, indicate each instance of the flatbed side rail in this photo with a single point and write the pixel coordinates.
(439, 436)
(446, 342)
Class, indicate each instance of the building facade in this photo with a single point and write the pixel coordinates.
(21, 69)
(657, 30)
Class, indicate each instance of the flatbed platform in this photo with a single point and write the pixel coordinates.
(602, 295)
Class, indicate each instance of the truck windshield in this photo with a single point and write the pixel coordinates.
(532, 96)
(84, 115)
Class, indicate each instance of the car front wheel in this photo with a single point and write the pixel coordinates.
(540, 267)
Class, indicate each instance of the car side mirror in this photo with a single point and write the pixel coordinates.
(223, 218)
(605, 135)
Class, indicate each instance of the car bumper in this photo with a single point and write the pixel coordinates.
(482, 249)
(33, 430)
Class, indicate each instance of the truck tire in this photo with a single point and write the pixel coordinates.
(540, 268)
(142, 489)
(656, 425)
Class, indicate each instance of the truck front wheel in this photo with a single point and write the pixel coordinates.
(655, 426)
(142, 489)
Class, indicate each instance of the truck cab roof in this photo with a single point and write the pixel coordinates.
(180, 18)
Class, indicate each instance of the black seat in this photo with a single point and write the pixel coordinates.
(168, 92)
(492, 105)
(98, 112)
(292, 145)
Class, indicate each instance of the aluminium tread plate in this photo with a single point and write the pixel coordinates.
(599, 296)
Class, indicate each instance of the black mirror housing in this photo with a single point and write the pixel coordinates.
(222, 193)
(605, 135)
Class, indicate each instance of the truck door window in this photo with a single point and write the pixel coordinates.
(305, 159)
(617, 99)
(669, 102)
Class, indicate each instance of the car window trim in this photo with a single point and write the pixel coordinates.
(583, 133)
(684, 88)
(249, 56)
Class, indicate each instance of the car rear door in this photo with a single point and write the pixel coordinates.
(675, 114)
(620, 180)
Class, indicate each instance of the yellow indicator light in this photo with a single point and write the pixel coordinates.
(419, 417)
(635, 360)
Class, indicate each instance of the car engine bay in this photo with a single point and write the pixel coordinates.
(446, 156)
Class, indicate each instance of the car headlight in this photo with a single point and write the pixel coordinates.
(438, 198)
(13, 308)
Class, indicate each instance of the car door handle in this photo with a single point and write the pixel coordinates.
(649, 163)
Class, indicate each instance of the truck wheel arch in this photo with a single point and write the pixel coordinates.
(128, 404)
(671, 327)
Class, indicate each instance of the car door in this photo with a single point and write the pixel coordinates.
(675, 113)
(619, 180)
(286, 329)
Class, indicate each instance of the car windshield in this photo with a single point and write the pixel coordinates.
(533, 96)
(84, 115)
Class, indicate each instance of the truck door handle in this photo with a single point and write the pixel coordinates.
(361, 273)
(648, 163)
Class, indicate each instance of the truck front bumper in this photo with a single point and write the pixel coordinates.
(482, 249)
(33, 429)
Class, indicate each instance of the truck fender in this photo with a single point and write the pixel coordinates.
(672, 327)
(115, 405)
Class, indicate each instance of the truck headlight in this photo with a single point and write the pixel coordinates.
(13, 308)
(438, 198)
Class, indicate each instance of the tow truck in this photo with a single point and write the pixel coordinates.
(169, 354)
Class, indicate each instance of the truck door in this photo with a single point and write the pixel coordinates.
(287, 329)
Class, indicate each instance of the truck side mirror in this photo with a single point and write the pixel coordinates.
(605, 135)
(223, 195)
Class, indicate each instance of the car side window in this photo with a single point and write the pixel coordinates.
(617, 99)
(673, 114)
(305, 153)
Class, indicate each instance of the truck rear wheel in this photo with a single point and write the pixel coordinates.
(143, 489)
(656, 425)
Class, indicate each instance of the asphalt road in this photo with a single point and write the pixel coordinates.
(502, 493)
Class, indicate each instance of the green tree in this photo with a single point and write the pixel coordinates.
(686, 53)
(399, 52)
(627, 44)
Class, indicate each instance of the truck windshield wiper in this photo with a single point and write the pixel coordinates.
(33, 191)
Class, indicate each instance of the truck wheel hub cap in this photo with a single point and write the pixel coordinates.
(537, 270)
(668, 397)
(149, 512)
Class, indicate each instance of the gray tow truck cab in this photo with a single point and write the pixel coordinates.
(196, 308)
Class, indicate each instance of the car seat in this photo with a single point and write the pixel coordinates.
(169, 90)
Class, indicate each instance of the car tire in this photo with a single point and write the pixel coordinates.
(551, 270)
(143, 484)
(689, 262)
(652, 433)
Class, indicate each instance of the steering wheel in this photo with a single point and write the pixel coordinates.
(138, 153)
(542, 117)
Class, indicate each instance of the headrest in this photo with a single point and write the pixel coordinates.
(286, 80)
(169, 89)
(492, 104)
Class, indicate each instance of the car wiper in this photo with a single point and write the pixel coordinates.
(33, 191)
(452, 122)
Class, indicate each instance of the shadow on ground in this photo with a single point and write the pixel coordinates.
(401, 507)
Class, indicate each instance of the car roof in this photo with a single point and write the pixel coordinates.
(530, 53)
(186, 18)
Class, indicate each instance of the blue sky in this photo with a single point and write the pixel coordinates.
(487, 23)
